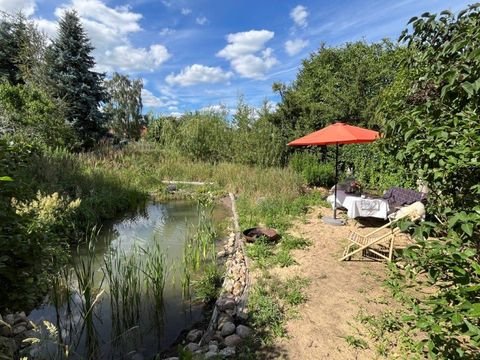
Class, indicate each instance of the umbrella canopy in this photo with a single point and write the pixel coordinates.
(336, 134)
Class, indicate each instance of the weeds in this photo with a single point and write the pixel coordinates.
(292, 290)
(284, 259)
(356, 343)
(208, 286)
(290, 242)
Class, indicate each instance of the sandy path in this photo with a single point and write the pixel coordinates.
(337, 292)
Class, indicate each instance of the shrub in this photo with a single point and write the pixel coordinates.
(312, 170)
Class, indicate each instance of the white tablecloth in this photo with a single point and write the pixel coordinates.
(360, 207)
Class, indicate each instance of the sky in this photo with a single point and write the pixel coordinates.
(200, 54)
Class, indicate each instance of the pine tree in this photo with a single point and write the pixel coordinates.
(69, 65)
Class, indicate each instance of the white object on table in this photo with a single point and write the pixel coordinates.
(360, 207)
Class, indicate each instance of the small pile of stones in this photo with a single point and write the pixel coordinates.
(226, 336)
(14, 328)
(227, 330)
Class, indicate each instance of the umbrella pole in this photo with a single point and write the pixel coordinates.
(336, 182)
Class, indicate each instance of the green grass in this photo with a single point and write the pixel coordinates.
(283, 258)
(355, 342)
(208, 286)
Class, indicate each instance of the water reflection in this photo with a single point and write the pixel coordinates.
(144, 327)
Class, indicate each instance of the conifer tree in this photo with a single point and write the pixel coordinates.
(69, 65)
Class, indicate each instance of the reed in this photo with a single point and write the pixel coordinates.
(199, 247)
(89, 289)
(155, 271)
(124, 276)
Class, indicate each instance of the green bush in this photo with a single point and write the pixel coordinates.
(313, 170)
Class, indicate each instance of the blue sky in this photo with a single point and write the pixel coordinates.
(197, 54)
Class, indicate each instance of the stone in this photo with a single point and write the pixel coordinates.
(171, 188)
(18, 329)
(221, 254)
(20, 318)
(243, 331)
(8, 347)
(137, 356)
(10, 318)
(212, 348)
(5, 329)
(223, 318)
(194, 335)
(227, 352)
(230, 312)
(210, 355)
(233, 340)
(225, 304)
(237, 289)
(228, 329)
(192, 347)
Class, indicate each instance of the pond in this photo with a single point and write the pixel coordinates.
(135, 325)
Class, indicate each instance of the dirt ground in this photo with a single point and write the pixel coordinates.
(336, 294)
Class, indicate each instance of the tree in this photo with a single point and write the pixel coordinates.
(336, 84)
(124, 106)
(69, 65)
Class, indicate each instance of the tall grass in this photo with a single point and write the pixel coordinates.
(124, 275)
(200, 251)
(155, 271)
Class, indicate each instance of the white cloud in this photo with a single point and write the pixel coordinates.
(127, 58)
(150, 100)
(201, 20)
(247, 53)
(186, 11)
(166, 31)
(244, 43)
(293, 47)
(299, 15)
(27, 7)
(47, 27)
(109, 30)
(216, 109)
(176, 114)
(197, 74)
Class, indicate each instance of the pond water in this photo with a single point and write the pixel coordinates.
(152, 330)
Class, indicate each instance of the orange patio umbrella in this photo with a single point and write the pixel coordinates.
(337, 134)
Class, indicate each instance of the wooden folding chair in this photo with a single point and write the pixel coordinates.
(366, 244)
(374, 244)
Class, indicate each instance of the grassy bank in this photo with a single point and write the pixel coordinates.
(61, 195)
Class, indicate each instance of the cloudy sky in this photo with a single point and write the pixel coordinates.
(193, 54)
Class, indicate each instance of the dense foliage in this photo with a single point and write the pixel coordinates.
(432, 124)
(249, 138)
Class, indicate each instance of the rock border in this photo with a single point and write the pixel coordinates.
(14, 328)
(227, 329)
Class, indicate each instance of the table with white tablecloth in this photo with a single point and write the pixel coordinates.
(358, 206)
